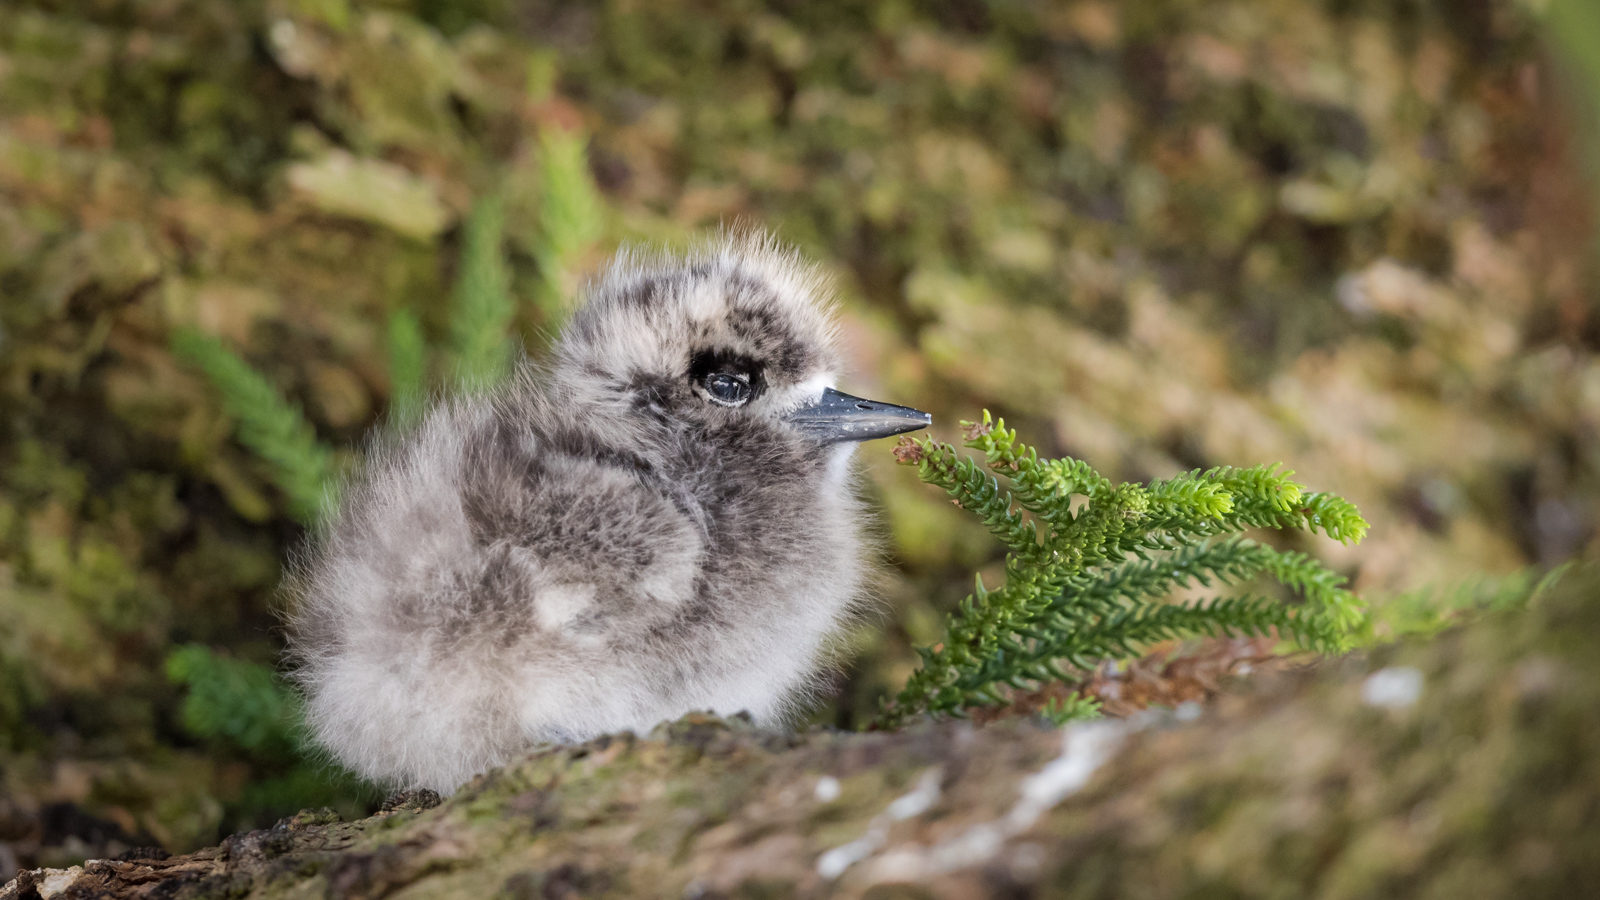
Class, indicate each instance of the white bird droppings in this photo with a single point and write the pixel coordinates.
(924, 795)
(832, 864)
(1396, 687)
(1085, 748)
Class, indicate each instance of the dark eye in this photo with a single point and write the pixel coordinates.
(727, 389)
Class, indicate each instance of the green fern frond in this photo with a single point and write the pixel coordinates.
(481, 318)
(408, 363)
(1124, 634)
(977, 492)
(1045, 488)
(1429, 610)
(1322, 589)
(1091, 563)
(1075, 708)
(240, 702)
(1334, 516)
(269, 425)
(1191, 497)
(1229, 561)
(571, 216)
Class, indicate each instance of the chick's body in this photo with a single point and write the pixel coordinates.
(653, 525)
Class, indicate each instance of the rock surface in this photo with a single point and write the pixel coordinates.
(1465, 767)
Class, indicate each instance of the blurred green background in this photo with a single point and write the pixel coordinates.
(1350, 235)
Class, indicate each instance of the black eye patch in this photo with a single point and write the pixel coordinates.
(725, 377)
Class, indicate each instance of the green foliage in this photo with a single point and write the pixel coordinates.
(272, 427)
(1572, 27)
(1074, 708)
(245, 708)
(20, 690)
(241, 703)
(1425, 612)
(408, 368)
(1091, 563)
(481, 317)
(571, 215)
(1569, 20)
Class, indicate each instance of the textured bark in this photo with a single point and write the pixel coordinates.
(1340, 782)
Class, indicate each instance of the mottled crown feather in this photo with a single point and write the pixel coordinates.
(650, 314)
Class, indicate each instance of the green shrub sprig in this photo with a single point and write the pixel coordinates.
(480, 320)
(1091, 563)
(268, 424)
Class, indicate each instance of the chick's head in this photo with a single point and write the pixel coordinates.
(737, 335)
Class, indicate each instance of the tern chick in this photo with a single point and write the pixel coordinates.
(660, 520)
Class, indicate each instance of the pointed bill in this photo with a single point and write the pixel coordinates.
(838, 417)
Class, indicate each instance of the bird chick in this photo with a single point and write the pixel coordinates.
(660, 520)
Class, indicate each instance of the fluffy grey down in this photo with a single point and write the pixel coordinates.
(599, 545)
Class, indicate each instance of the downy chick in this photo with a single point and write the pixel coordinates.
(660, 521)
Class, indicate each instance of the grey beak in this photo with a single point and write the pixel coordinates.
(839, 417)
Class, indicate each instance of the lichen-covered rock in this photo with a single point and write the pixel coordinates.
(1466, 767)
